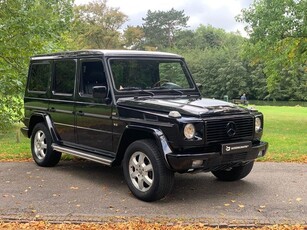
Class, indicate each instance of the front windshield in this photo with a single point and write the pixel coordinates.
(149, 74)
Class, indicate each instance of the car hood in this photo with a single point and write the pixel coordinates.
(185, 106)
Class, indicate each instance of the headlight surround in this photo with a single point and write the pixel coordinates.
(258, 125)
(189, 131)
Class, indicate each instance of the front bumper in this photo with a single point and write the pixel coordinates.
(214, 160)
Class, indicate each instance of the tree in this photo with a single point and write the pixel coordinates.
(185, 39)
(27, 28)
(214, 57)
(278, 31)
(209, 37)
(161, 27)
(133, 37)
(97, 26)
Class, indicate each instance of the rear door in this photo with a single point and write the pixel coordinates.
(61, 106)
(93, 116)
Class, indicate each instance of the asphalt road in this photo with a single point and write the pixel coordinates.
(274, 193)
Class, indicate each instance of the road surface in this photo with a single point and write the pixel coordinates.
(77, 191)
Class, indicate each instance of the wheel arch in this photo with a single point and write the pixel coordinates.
(133, 133)
(46, 119)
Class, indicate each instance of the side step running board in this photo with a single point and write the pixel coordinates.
(88, 156)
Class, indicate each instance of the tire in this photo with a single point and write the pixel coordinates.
(42, 152)
(145, 172)
(235, 173)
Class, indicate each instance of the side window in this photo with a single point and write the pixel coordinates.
(39, 77)
(92, 74)
(64, 78)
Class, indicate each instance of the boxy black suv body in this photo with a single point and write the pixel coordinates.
(138, 109)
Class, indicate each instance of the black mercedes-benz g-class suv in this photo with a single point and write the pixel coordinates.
(138, 109)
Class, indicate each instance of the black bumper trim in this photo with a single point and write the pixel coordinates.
(213, 160)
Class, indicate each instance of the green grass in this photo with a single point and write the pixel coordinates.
(13, 145)
(285, 128)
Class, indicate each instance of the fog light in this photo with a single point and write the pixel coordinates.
(197, 163)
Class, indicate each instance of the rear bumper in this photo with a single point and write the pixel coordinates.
(214, 160)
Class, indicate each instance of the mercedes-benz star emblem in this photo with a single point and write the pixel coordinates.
(231, 129)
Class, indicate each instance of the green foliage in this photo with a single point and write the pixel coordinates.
(209, 37)
(14, 146)
(133, 37)
(221, 72)
(96, 25)
(215, 62)
(278, 40)
(27, 28)
(161, 27)
(273, 64)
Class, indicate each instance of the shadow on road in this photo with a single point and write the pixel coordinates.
(187, 186)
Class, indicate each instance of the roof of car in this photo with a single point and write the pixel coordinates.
(106, 53)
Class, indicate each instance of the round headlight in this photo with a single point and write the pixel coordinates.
(189, 131)
(257, 124)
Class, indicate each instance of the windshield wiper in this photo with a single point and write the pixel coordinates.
(177, 91)
(170, 89)
(139, 91)
(146, 91)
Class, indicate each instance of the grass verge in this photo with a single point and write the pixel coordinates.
(285, 128)
(13, 145)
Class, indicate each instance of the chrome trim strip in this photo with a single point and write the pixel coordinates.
(85, 155)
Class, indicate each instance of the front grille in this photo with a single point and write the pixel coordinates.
(216, 130)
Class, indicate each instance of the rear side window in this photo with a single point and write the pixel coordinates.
(65, 72)
(39, 77)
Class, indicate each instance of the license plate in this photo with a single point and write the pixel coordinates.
(238, 147)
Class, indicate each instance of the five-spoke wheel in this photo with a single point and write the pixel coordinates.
(42, 152)
(145, 171)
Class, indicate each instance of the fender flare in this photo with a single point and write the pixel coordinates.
(160, 139)
(49, 124)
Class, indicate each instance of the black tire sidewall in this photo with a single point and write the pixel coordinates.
(236, 173)
(52, 157)
(159, 169)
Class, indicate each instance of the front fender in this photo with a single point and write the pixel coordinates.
(159, 138)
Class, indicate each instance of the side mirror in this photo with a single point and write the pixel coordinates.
(100, 92)
(199, 86)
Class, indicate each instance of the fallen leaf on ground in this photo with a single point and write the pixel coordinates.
(74, 188)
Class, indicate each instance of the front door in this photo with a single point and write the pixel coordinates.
(93, 116)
